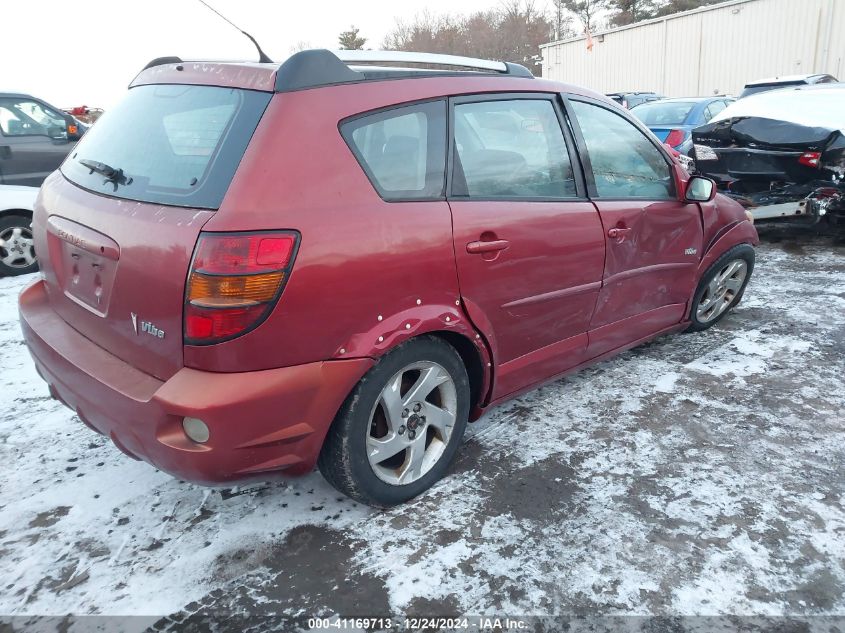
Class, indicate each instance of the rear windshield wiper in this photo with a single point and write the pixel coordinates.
(112, 174)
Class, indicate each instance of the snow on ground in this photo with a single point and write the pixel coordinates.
(698, 474)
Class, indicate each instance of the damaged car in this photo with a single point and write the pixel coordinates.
(780, 154)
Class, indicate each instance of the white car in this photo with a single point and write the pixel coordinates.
(17, 250)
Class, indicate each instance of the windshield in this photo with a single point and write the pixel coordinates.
(658, 113)
(173, 144)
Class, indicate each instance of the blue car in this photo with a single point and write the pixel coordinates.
(673, 120)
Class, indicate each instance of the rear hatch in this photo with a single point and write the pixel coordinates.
(116, 228)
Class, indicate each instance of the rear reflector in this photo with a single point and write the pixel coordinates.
(235, 281)
(810, 159)
(212, 325)
(196, 429)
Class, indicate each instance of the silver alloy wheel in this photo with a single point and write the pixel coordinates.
(411, 423)
(722, 290)
(17, 249)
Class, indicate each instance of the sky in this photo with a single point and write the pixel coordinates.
(86, 53)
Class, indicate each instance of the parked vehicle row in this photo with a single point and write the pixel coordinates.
(789, 81)
(780, 153)
(673, 120)
(630, 100)
(778, 149)
(423, 246)
(35, 137)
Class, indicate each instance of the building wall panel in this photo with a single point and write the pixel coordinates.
(712, 51)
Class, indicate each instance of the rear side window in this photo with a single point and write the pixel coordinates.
(176, 144)
(625, 163)
(512, 149)
(713, 109)
(402, 150)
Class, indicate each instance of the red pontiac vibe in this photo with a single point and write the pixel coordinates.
(249, 269)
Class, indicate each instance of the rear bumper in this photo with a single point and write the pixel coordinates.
(807, 203)
(261, 422)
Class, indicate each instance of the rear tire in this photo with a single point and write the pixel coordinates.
(398, 432)
(17, 251)
(721, 287)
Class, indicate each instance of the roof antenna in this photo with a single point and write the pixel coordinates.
(262, 56)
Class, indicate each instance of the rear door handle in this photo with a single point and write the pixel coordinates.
(475, 248)
(617, 233)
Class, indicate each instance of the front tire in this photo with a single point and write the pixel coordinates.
(721, 287)
(17, 249)
(399, 430)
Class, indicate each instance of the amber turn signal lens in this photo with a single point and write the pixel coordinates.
(227, 291)
(235, 281)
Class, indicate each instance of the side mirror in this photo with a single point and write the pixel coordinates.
(700, 189)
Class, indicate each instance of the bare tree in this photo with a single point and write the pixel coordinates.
(301, 45)
(350, 40)
(513, 32)
(587, 12)
(563, 21)
(675, 6)
(631, 11)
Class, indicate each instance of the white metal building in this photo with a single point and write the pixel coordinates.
(712, 50)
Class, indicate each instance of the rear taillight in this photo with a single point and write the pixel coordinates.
(234, 282)
(810, 159)
(675, 138)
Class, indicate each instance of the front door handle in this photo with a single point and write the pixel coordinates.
(617, 233)
(476, 248)
(5, 152)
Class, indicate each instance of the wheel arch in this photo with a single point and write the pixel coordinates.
(711, 258)
(740, 233)
(447, 322)
(475, 364)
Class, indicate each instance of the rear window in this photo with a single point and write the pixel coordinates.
(175, 144)
(753, 90)
(659, 113)
(402, 150)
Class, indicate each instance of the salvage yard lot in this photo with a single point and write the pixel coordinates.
(698, 474)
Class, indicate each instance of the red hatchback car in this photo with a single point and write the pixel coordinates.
(250, 269)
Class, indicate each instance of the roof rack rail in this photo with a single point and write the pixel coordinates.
(322, 67)
(439, 59)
